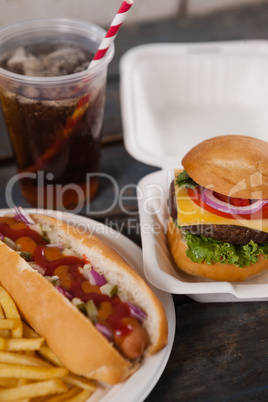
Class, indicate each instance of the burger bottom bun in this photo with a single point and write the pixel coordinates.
(215, 271)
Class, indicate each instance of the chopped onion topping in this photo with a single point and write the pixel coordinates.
(57, 245)
(77, 302)
(22, 216)
(137, 312)
(105, 331)
(64, 292)
(55, 280)
(208, 197)
(37, 268)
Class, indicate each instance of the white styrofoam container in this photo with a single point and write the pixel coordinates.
(174, 96)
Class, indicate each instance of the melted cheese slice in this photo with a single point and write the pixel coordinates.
(189, 213)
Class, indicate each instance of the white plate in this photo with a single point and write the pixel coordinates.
(140, 384)
(159, 267)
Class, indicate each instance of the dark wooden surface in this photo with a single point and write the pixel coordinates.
(220, 351)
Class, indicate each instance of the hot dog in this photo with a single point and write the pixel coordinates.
(96, 313)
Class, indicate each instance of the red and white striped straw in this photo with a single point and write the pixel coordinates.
(112, 32)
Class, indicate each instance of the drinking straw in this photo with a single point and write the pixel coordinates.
(82, 105)
(112, 32)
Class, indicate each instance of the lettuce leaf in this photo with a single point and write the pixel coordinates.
(184, 180)
(201, 248)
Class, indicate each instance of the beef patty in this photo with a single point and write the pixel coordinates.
(226, 233)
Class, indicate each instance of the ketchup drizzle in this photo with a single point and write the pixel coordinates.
(120, 309)
(15, 234)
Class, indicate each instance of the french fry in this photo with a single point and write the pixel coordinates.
(8, 382)
(73, 395)
(33, 390)
(81, 382)
(8, 323)
(10, 311)
(62, 397)
(47, 353)
(21, 344)
(23, 359)
(3, 343)
(29, 370)
(33, 373)
(23, 381)
(3, 333)
(82, 396)
(44, 350)
(28, 332)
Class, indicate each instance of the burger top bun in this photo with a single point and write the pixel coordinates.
(232, 165)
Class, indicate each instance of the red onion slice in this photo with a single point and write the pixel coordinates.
(137, 312)
(2, 236)
(105, 331)
(22, 216)
(64, 292)
(95, 278)
(208, 197)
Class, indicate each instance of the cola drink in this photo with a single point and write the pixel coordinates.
(53, 108)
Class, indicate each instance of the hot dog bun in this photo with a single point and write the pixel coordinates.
(71, 335)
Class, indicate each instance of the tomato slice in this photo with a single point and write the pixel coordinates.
(238, 202)
(194, 194)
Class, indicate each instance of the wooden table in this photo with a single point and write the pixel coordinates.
(220, 352)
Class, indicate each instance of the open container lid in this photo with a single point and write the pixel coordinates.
(174, 96)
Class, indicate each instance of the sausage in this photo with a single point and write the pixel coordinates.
(134, 345)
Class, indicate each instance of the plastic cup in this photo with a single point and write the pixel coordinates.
(55, 122)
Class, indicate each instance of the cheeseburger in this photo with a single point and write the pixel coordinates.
(218, 224)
